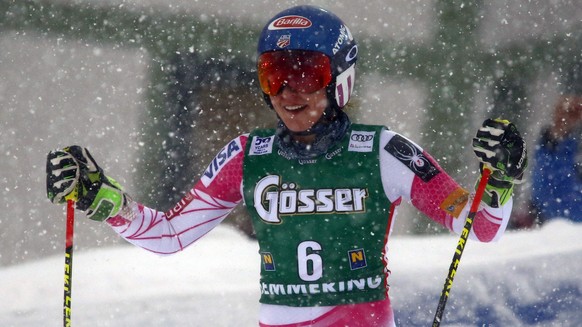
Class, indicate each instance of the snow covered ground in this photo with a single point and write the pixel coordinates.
(529, 278)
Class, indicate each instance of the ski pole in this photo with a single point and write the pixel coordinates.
(68, 263)
(461, 246)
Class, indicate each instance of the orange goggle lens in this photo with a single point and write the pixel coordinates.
(303, 71)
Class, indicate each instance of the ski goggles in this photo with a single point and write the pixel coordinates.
(303, 71)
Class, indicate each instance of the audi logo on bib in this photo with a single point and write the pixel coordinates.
(361, 137)
(361, 141)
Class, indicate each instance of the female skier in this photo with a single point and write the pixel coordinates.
(322, 192)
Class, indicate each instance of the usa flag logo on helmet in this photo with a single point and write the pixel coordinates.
(284, 41)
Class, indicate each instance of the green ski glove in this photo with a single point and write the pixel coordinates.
(499, 145)
(73, 174)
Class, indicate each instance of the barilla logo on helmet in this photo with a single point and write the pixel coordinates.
(287, 22)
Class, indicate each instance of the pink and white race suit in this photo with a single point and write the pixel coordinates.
(204, 207)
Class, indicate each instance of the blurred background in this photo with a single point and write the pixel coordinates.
(155, 88)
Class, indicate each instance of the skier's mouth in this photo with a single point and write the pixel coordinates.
(295, 108)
